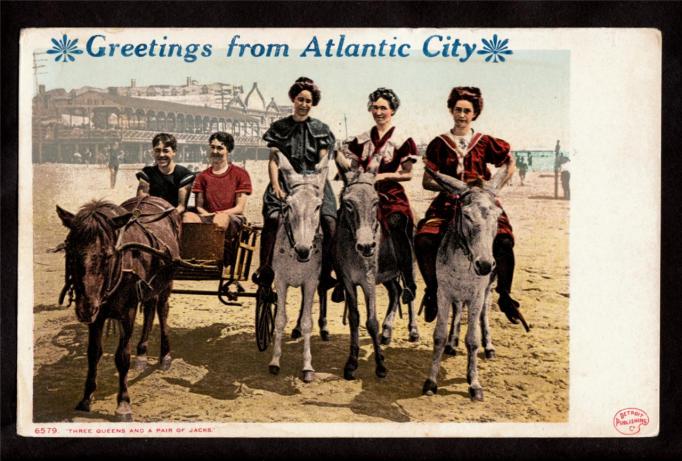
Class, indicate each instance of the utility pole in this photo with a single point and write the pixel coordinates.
(37, 66)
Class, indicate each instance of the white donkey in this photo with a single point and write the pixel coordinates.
(297, 257)
(465, 272)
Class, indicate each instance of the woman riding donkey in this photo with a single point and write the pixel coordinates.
(305, 142)
(396, 153)
(464, 154)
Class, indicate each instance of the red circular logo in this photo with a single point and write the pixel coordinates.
(629, 420)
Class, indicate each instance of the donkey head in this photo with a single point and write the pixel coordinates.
(475, 222)
(359, 202)
(90, 254)
(301, 214)
(477, 227)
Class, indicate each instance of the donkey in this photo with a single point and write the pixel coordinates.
(116, 258)
(366, 258)
(465, 270)
(297, 258)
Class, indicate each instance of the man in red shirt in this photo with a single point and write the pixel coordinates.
(222, 189)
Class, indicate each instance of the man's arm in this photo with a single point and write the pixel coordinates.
(240, 205)
(199, 202)
(183, 195)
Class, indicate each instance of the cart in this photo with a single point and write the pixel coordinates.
(206, 255)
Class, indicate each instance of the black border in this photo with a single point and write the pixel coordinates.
(663, 16)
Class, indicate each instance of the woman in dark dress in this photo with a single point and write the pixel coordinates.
(304, 141)
(464, 154)
(396, 153)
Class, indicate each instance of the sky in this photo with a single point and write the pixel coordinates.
(526, 97)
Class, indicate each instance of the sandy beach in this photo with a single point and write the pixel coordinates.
(218, 375)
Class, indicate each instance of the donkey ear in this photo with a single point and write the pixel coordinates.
(350, 176)
(287, 170)
(498, 180)
(323, 164)
(65, 216)
(121, 220)
(373, 166)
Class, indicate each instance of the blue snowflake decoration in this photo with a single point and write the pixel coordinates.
(495, 49)
(64, 49)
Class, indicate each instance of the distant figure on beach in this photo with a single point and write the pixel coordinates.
(114, 157)
(522, 166)
(464, 154)
(166, 179)
(565, 172)
(530, 161)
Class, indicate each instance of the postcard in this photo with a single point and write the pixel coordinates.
(554, 135)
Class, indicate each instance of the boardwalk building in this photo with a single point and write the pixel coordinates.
(88, 120)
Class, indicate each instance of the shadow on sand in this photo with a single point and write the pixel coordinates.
(231, 361)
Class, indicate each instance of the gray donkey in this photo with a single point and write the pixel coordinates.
(297, 258)
(365, 259)
(465, 272)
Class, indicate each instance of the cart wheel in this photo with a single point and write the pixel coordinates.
(265, 317)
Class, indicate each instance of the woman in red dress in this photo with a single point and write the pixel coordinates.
(396, 154)
(464, 154)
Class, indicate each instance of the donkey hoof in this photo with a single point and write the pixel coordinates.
(165, 363)
(274, 369)
(349, 374)
(324, 334)
(476, 394)
(449, 350)
(295, 333)
(141, 362)
(385, 340)
(124, 412)
(83, 405)
(490, 354)
(124, 417)
(308, 376)
(414, 336)
(381, 371)
(430, 388)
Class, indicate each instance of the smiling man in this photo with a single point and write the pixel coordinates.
(165, 178)
(222, 189)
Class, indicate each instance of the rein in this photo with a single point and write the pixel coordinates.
(460, 237)
(284, 217)
(351, 222)
(114, 269)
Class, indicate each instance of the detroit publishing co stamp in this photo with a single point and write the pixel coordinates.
(629, 421)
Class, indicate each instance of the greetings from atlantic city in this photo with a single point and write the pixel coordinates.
(440, 44)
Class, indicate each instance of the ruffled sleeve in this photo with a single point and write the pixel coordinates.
(497, 151)
(408, 152)
(279, 134)
(432, 157)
